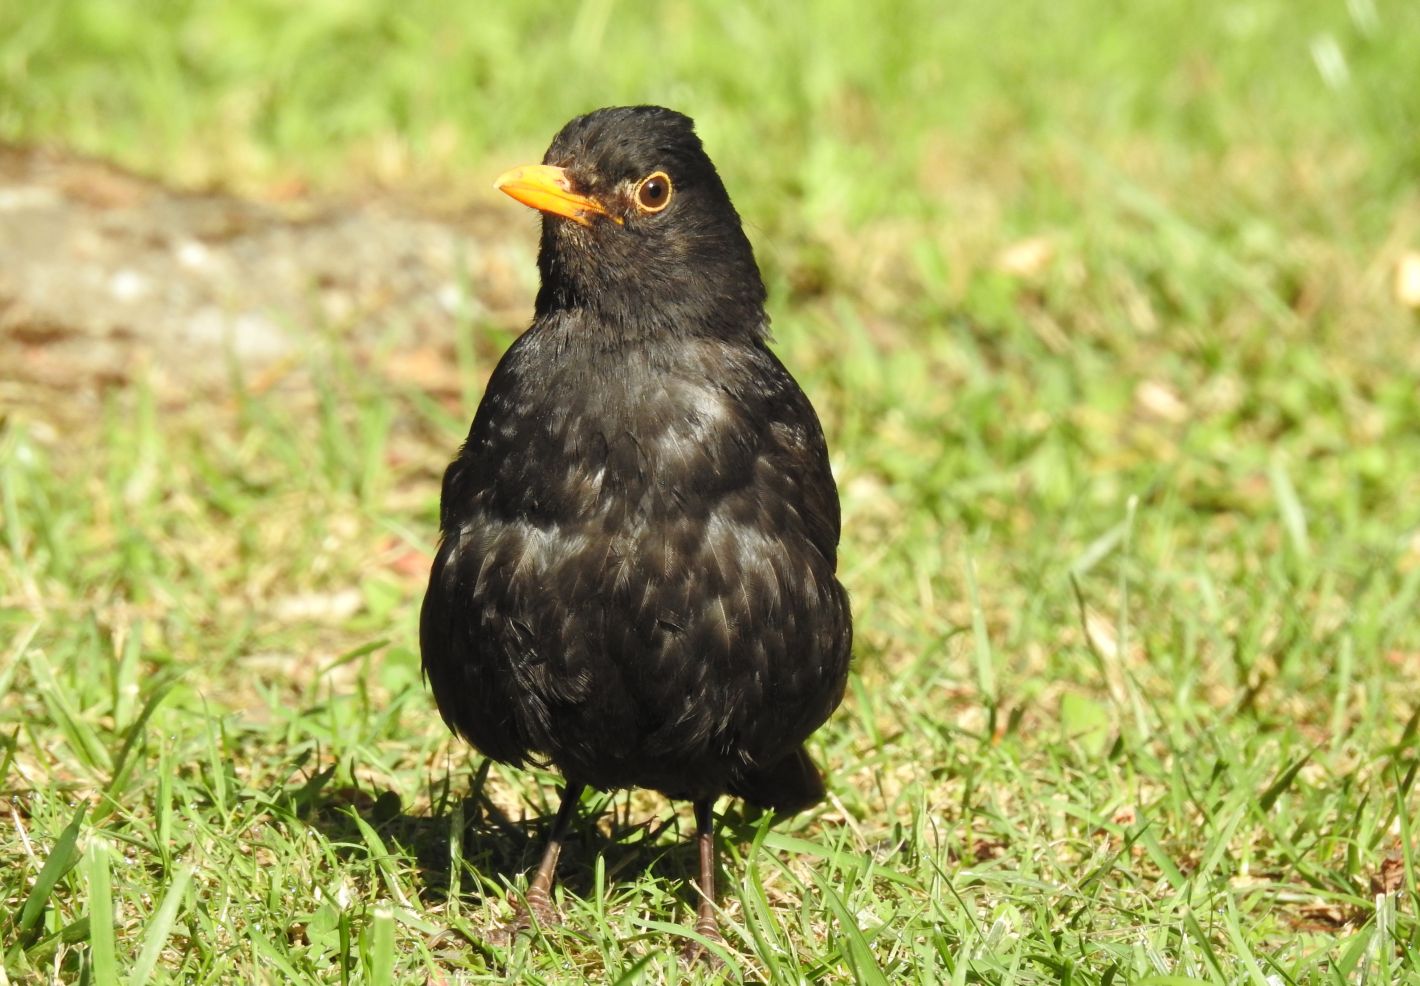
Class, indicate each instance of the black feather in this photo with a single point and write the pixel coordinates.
(635, 580)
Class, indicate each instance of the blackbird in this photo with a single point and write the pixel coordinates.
(635, 577)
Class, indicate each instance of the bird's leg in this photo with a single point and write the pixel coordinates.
(539, 895)
(706, 924)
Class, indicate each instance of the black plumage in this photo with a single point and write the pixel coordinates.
(635, 580)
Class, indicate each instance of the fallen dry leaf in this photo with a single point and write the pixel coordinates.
(1026, 258)
(1391, 875)
(320, 607)
(1321, 916)
(987, 849)
(1160, 401)
(1402, 658)
(1407, 279)
(430, 368)
(412, 564)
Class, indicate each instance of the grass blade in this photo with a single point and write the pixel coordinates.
(60, 861)
(160, 928)
(382, 946)
(1294, 516)
(101, 948)
(1284, 780)
(985, 663)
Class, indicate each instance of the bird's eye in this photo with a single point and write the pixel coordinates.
(654, 192)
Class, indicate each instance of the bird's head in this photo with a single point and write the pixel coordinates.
(638, 231)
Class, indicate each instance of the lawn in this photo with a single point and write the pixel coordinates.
(1099, 305)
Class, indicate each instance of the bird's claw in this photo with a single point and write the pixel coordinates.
(536, 910)
(694, 952)
(540, 909)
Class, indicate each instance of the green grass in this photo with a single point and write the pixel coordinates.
(1133, 533)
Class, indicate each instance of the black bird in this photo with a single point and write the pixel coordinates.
(635, 578)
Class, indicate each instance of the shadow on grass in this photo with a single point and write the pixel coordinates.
(499, 853)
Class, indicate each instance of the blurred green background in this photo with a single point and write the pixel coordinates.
(1110, 310)
(832, 112)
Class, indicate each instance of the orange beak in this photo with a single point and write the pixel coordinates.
(548, 189)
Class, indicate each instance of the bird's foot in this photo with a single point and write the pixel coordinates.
(694, 952)
(536, 910)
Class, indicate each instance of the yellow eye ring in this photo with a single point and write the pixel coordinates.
(653, 193)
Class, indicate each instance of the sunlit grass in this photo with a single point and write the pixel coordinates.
(1095, 305)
